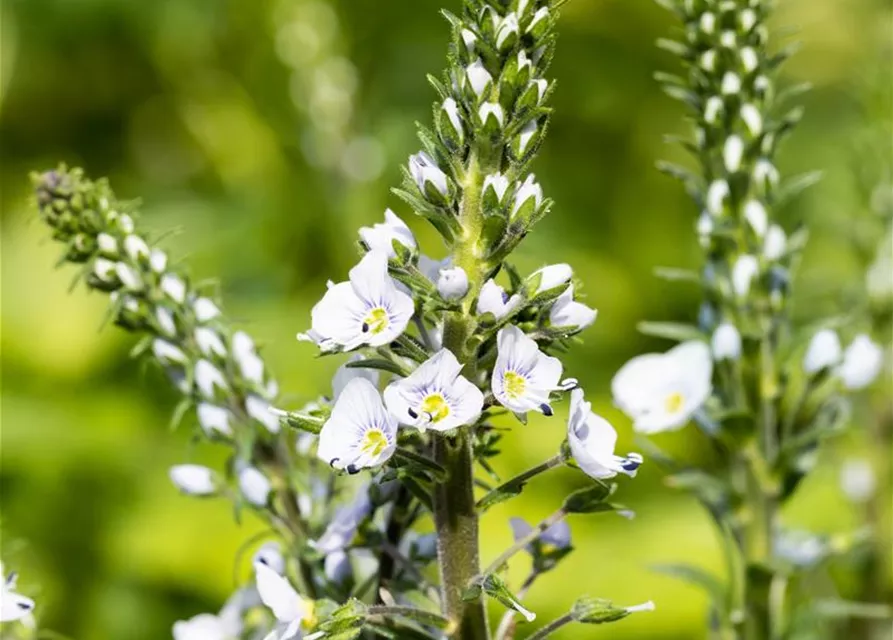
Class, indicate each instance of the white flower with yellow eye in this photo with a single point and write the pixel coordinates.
(12, 605)
(360, 432)
(293, 612)
(366, 310)
(524, 376)
(435, 396)
(662, 391)
(381, 236)
(592, 440)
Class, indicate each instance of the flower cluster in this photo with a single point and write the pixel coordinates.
(765, 391)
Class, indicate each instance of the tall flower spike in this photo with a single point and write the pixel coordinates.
(435, 396)
(360, 432)
(524, 377)
(592, 440)
(369, 309)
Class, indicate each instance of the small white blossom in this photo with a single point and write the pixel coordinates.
(705, 225)
(292, 611)
(708, 60)
(707, 22)
(103, 269)
(128, 276)
(478, 77)
(209, 342)
(13, 606)
(749, 59)
(165, 319)
(744, 270)
(727, 39)
(726, 342)
(424, 171)
(507, 28)
(493, 299)
(336, 567)
(712, 109)
(592, 440)
(662, 391)
(764, 171)
(213, 418)
(862, 363)
(491, 109)
(158, 260)
(732, 153)
(731, 84)
(752, 118)
(551, 276)
(858, 481)
(775, 243)
(529, 190)
(498, 183)
(747, 18)
(205, 309)
(250, 364)
(717, 193)
(173, 287)
(108, 245)
(381, 236)
(263, 412)
(136, 248)
(207, 626)
(167, 353)
(755, 214)
(208, 378)
(435, 395)
(452, 284)
(255, 486)
(567, 312)
(360, 432)
(824, 351)
(125, 222)
(193, 479)
(366, 310)
(270, 554)
(524, 376)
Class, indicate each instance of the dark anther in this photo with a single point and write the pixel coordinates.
(547, 410)
(412, 413)
(352, 469)
(365, 327)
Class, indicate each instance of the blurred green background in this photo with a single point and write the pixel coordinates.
(265, 132)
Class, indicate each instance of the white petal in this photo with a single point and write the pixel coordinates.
(726, 342)
(493, 299)
(552, 276)
(173, 287)
(358, 410)
(213, 418)
(255, 486)
(824, 351)
(862, 363)
(345, 374)
(270, 554)
(193, 479)
(279, 596)
(262, 411)
(380, 237)
(205, 309)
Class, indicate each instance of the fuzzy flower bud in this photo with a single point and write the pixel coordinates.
(507, 33)
(479, 79)
(744, 270)
(733, 153)
(756, 216)
(431, 181)
(254, 486)
(823, 352)
(726, 342)
(495, 187)
(525, 139)
(862, 363)
(193, 479)
(451, 122)
(528, 198)
(452, 284)
(491, 117)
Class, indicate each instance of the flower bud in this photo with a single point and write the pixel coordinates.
(858, 481)
(469, 40)
(712, 109)
(173, 287)
(707, 23)
(167, 353)
(823, 352)
(107, 245)
(550, 277)
(526, 139)
(213, 419)
(209, 342)
(452, 284)
(747, 19)
(726, 342)
(862, 363)
(205, 310)
(208, 379)
(731, 84)
(756, 216)
(128, 276)
(165, 320)
(104, 269)
(494, 190)
(193, 479)
(775, 243)
(491, 117)
(749, 59)
(733, 153)
(431, 181)
(507, 33)
(752, 118)
(528, 198)
(534, 93)
(567, 312)
(717, 193)
(450, 122)
(263, 412)
(255, 486)
(158, 260)
(489, 21)
(382, 236)
(479, 79)
(708, 60)
(744, 270)
(136, 248)
(539, 24)
(765, 175)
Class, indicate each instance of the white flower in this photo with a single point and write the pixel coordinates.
(173, 287)
(208, 378)
(756, 216)
(661, 392)
(128, 276)
(498, 183)
(107, 245)
(205, 310)
(824, 351)
(524, 376)
(704, 225)
(551, 276)
(529, 190)
(250, 364)
(857, 480)
(491, 109)
(381, 236)
(862, 363)
(213, 418)
(478, 77)
(193, 479)
(744, 270)
(366, 310)
(567, 312)
(452, 284)
(726, 342)
(775, 243)
(731, 84)
(163, 316)
(291, 610)
(507, 28)
(262, 411)
(717, 193)
(592, 440)
(12, 605)
(752, 118)
(343, 526)
(493, 299)
(205, 626)
(360, 433)
(209, 342)
(167, 353)
(424, 171)
(435, 395)
(732, 153)
(136, 247)
(255, 486)
(270, 554)
(158, 260)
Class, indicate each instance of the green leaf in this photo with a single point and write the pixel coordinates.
(699, 577)
(304, 422)
(677, 331)
(589, 500)
(672, 274)
(493, 586)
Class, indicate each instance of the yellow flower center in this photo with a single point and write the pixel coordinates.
(374, 442)
(674, 402)
(436, 407)
(375, 321)
(309, 619)
(515, 384)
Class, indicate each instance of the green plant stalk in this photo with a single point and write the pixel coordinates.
(552, 627)
(455, 515)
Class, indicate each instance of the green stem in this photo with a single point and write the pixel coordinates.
(552, 627)
(521, 543)
(520, 480)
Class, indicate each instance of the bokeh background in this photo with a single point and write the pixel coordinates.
(265, 132)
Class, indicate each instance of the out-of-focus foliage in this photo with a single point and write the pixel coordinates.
(266, 132)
